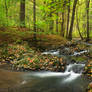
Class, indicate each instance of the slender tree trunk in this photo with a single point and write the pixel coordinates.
(62, 24)
(57, 23)
(78, 25)
(63, 19)
(51, 26)
(22, 13)
(34, 18)
(6, 9)
(72, 20)
(87, 7)
(68, 19)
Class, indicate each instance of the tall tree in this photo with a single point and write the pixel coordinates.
(68, 19)
(34, 18)
(87, 9)
(62, 24)
(22, 13)
(72, 20)
(51, 26)
(78, 25)
(63, 18)
(6, 11)
(57, 23)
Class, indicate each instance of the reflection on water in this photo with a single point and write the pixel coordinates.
(9, 79)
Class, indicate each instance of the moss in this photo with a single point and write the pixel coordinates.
(79, 59)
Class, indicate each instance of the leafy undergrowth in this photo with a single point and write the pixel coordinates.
(88, 69)
(22, 57)
(42, 40)
(89, 89)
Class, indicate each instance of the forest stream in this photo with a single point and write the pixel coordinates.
(71, 80)
(45, 45)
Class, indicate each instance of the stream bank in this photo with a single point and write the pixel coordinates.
(22, 57)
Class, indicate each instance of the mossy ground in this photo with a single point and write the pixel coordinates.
(42, 40)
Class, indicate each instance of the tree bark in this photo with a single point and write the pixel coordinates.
(62, 24)
(22, 13)
(78, 25)
(72, 20)
(57, 23)
(63, 19)
(68, 19)
(87, 7)
(6, 9)
(34, 18)
(51, 26)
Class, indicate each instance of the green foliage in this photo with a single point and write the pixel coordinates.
(46, 12)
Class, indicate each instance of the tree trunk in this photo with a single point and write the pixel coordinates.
(68, 19)
(57, 23)
(6, 9)
(72, 20)
(78, 25)
(63, 18)
(22, 13)
(62, 24)
(87, 7)
(34, 18)
(51, 26)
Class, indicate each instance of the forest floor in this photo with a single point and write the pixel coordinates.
(44, 41)
(16, 42)
(20, 46)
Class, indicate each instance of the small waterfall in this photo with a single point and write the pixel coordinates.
(52, 52)
(72, 72)
(57, 52)
(68, 67)
(77, 68)
(79, 53)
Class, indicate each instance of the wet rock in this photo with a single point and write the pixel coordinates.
(65, 51)
(73, 61)
(71, 44)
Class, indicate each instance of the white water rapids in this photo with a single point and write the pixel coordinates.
(69, 74)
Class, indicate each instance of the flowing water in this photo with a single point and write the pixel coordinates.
(69, 81)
